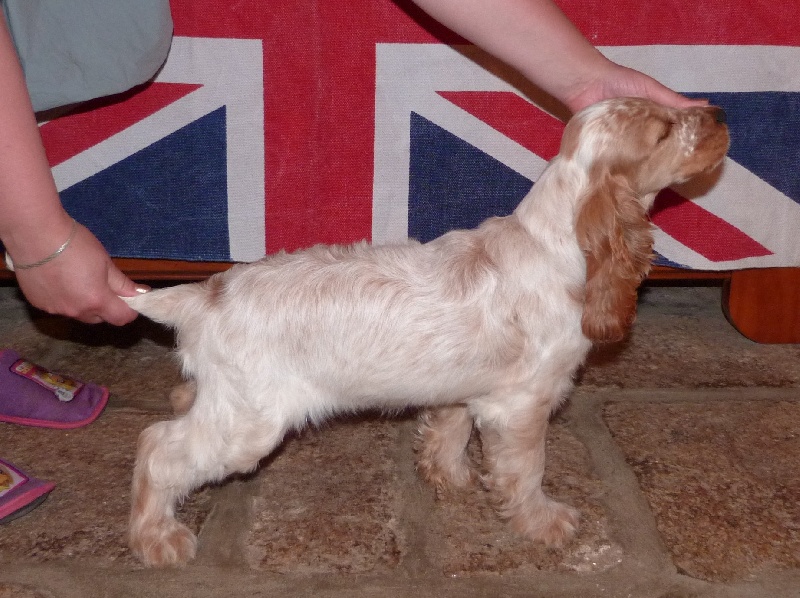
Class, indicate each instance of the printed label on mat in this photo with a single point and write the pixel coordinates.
(10, 478)
(64, 388)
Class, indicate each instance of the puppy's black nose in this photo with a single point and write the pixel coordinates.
(720, 116)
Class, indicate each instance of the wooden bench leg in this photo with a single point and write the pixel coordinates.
(764, 304)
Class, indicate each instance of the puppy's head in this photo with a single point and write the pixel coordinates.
(649, 145)
(629, 149)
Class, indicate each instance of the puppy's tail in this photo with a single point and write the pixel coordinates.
(171, 306)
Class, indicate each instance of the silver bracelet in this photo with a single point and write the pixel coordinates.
(11, 266)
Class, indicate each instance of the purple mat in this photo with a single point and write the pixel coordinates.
(33, 396)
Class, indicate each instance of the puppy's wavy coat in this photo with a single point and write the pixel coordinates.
(483, 328)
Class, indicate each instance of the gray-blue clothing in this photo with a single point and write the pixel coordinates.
(76, 50)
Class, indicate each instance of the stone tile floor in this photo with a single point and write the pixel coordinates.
(681, 448)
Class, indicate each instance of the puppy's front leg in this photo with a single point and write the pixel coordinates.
(514, 455)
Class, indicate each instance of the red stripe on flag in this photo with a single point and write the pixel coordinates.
(319, 107)
(701, 231)
(97, 120)
(713, 22)
(514, 117)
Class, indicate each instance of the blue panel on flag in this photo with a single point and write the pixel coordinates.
(168, 200)
(452, 184)
(765, 135)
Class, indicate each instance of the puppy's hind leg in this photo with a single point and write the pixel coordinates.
(173, 458)
(442, 458)
(514, 455)
(162, 476)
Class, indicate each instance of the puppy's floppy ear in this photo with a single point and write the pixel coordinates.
(615, 235)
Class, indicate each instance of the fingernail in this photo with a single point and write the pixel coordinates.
(142, 290)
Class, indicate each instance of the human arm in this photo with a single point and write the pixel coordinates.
(82, 282)
(536, 38)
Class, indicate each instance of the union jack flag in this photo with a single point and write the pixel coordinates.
(280, 125)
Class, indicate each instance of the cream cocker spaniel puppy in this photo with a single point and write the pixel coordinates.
(482, 328)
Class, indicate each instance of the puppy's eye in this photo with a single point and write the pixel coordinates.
(665, 132)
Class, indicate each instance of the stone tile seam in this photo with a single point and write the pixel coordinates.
(630, 515)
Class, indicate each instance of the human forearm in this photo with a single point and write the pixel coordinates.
(62, 267)
(538, 40)
(533, 36)
(32, 219)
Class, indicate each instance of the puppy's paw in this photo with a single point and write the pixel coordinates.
(552, 523)
(168, 544)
